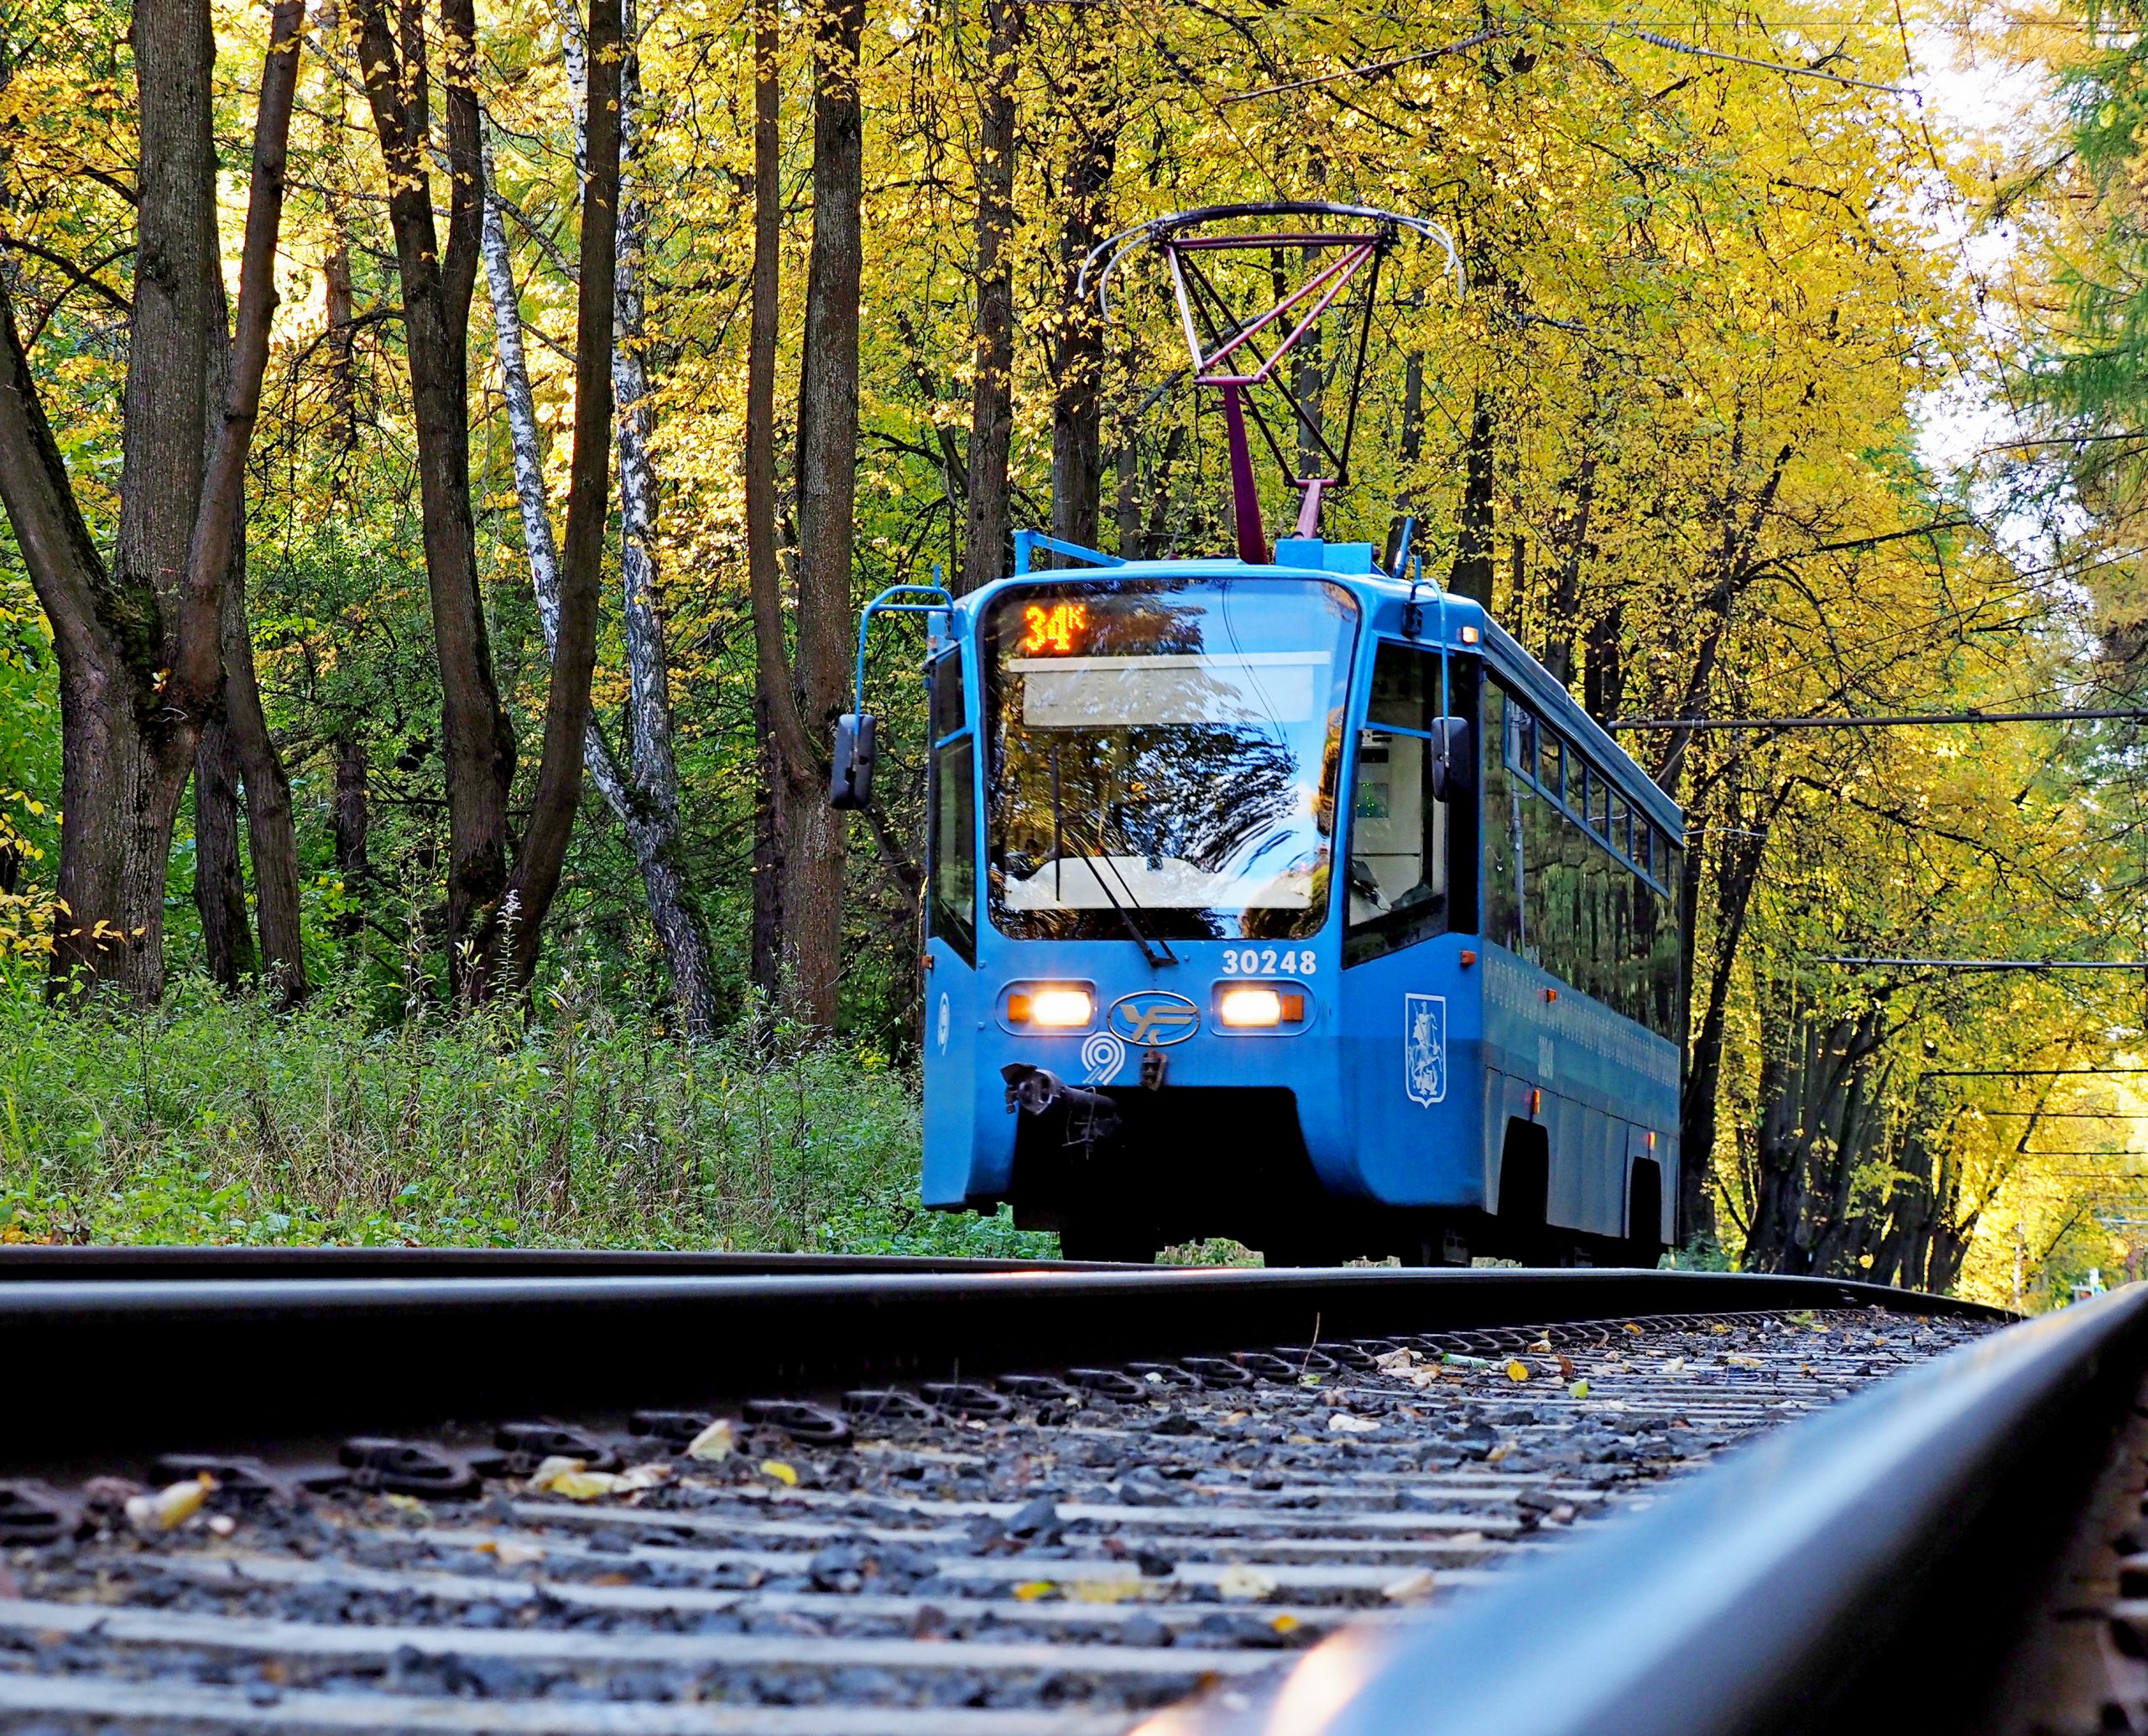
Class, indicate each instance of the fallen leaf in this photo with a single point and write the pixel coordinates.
(574, 1481)
(1499, 1452)
(1104, 1591)
(580, 1485)
(1341, 1422)
(549, 1471)
(781, 1471)
(1579, 1389)
(1286, 1625)
(715, 1443)
(222, 1525)
(1410, 1588)
(169, 1507)
(1542, 1346)
(1517, 1369)
(1245, 1584)
(1632, 1328)
(1717, 1326)
(1565, 1368)
(510, 1554)
(1029, 1590)
(1676, 1365)
(409, 1503)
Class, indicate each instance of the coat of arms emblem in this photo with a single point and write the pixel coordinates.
(1424, 1047)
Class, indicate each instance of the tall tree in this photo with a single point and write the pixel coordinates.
(642, 792)
(140, 644)
(802, 693)
(478, 744)
(1094, 116)
(991, 389)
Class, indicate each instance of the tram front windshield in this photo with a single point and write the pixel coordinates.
(1163, 757)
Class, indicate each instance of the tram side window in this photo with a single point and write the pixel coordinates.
(949, 713)
(1403, 843)
(1555, 893)
(954, 844)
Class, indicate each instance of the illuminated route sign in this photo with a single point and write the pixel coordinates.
(1054, 632)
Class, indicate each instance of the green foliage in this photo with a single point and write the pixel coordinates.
(220, 1120)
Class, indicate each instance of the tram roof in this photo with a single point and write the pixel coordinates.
(1386, 598)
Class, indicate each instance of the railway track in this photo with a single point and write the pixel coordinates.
(924, 1501)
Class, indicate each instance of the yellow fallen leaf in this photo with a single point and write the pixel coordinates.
(781, 1471)
(1517, 1369)
(1286, 1625)
(1104, 1591)
(1029, 1590)
(1634, 1329)
(1499, 1452)
(1542, 1346)
(1410, 1588)
(573, 1480)
(581, 1485)
(169, 1507)
(1579, 1389)
(715, 1442)
(409, 1503)
(1243, 1583)
(549, 1470)
(1717, 1326)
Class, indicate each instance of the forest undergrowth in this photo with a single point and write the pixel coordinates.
(567, 1123)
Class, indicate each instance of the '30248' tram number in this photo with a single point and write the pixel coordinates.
(1266, 962)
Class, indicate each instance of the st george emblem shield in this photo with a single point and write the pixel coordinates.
(1424, 1047)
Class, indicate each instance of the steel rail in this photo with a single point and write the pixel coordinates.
(30, 1261)
(236, 1363)
(1832, 1575)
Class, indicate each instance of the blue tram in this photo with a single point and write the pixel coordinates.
(1293, 903)
(1284, 897)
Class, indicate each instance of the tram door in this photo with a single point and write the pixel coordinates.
(951, 995)
(1410, 1035)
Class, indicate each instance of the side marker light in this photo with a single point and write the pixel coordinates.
(1535, 1102)
(1551, 994)
(1470, 635)
(1469, 958)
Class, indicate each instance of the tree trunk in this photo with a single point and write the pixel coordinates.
(827, 472)
(477, 745)
(271, 837)
(219, 891)
(652, 817)
(558, 794)
(353, 824)
(1077, 395)
(786, 754)
(139, 648)
(991, 401)
(1471, 575)
(643, 796)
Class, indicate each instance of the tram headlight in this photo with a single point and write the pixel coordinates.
(1052, 1008)
(1249, 1007)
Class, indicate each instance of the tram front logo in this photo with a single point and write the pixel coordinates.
(1153, 1019)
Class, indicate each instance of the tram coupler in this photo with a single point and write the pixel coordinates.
(1035, 1089)
(1154, 1064)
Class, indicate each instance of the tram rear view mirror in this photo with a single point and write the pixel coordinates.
(1454, 760)
(850, 775)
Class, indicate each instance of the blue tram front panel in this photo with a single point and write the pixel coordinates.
(1249, 859)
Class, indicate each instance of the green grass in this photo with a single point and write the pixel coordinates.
(216, 1119)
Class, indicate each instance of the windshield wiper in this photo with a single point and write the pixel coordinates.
(1098, 862)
